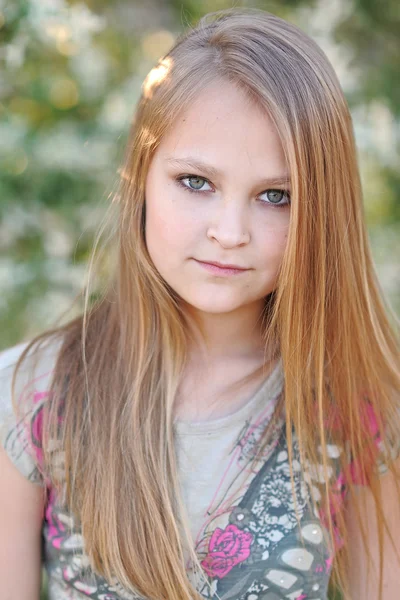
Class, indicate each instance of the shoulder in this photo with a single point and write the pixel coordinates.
(33, 374)
(37, 355)
(19, 406)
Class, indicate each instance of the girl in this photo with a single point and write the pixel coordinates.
(216, 424)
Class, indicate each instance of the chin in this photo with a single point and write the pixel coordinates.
(213, 305)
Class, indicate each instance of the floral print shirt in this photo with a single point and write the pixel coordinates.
(254, 539)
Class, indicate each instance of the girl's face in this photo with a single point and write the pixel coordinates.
(217, 192)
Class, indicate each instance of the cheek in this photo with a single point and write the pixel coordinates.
(159, 217)
(170, 232)
(273, 244)
(159, 228)
(281, 241)
(159, 236)
(272, 252)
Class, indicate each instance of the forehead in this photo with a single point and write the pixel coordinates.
(225, 127)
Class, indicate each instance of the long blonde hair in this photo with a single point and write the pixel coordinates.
(119, 366)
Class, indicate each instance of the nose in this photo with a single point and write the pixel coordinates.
(229, 226)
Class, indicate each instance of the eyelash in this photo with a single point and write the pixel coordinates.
(179, 181)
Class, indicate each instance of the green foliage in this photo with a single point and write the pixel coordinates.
(371, 29)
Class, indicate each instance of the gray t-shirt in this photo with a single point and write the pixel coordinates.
(254, 541)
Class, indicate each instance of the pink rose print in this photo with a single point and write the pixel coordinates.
(227, 548)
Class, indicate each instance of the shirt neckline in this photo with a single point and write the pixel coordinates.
(270, 388)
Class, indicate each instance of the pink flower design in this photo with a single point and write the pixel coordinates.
(319, 569)
(227, 548)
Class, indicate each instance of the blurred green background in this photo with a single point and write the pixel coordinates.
(70, 75)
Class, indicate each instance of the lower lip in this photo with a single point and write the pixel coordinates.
(220, 270)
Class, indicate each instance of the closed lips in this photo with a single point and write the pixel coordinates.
(223, 266)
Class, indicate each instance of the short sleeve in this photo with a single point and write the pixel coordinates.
(385, 448)
(346, 469)
(20, 423)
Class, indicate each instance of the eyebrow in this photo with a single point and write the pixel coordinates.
(212, 172)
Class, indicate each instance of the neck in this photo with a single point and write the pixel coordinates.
(215, 336)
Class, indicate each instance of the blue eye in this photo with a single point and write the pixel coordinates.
(194, 183)
(275, 197)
